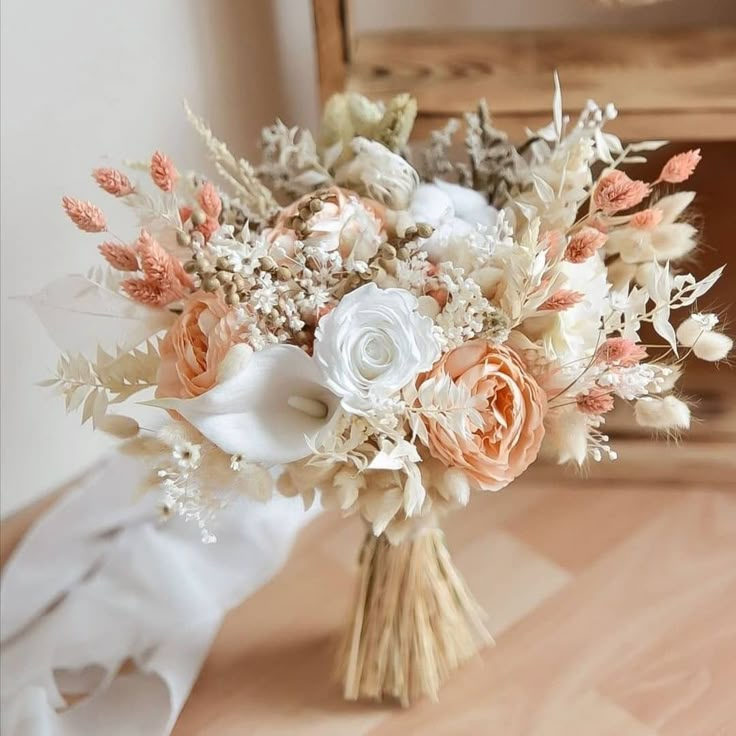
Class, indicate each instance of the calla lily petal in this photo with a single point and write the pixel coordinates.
(259, 412)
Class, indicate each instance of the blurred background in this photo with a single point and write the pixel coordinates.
(86, 84)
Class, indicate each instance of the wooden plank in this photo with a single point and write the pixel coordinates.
(671, 84)
(631, 636)
(333, 44)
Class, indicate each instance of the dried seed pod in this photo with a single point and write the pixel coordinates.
(223, 263)
(198, 217)
(191, 267)
(402, 253)
(224, 277)
(410, 232)
(183, 238)
(302, 337)
(283, 273)
(210, 284)
(267, 263)
(305, 213)
(297, 223)
(315, 205)
(424, 230)
(233, 298)
(388, 251)
(239, 281)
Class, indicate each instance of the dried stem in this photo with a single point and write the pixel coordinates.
(413, 623)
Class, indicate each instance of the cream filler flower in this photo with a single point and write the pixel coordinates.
(372, 345)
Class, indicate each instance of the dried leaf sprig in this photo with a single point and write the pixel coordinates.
(258, 201)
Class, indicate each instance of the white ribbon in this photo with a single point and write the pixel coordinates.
(99, 581)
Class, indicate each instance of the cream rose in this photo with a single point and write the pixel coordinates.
(372, 345)
(511, 406)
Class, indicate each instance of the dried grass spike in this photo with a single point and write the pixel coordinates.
(163, 172)
(121, 257)
(85, 215)
(113, 182)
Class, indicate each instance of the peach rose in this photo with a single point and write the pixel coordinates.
(352, 225)
(511, 405)
(195, 345)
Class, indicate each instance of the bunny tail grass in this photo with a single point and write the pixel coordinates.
(414, 621)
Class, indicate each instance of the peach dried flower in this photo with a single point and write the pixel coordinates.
(562, 300)
(122, 257)
(512, 407)
(85, 215)
(147, 291)
(584, 244)
(594, 403)
(195, 346)
(163, 172)
(113, 182)
(209, 200)
(616, 191)
(160, 266)
(680, 167)
(619, 351)
(647, 219)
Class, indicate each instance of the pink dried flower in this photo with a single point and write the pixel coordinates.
(552, 243)
(163, 172)
(619, 351)
(113, 182)
(147, 291)
(647, 219)
(85, 215)
(596, 402)
(680, 167)
(122, 257)
(562, 300)
(209, 227)
(161, 267)
(584, 244)
(616, 191)
(209, 200)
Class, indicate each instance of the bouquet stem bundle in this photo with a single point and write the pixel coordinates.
(414, 621)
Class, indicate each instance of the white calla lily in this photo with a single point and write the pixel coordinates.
(267, 407)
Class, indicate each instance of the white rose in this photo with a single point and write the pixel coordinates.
(372, 345)
(380, 174)
(454, 212)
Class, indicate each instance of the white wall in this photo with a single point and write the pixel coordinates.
(87, 83)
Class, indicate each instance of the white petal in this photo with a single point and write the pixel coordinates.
(468, 204)
(250, 413)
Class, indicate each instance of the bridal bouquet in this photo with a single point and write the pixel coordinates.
(392, 330)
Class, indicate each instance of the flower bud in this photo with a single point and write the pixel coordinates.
(667, 413)
(712, 346)
(689, 332)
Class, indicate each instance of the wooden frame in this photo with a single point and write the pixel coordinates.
(675, 84)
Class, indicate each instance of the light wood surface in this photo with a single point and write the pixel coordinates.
(612, 608)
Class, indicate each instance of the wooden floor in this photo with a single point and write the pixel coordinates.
(613, 609)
